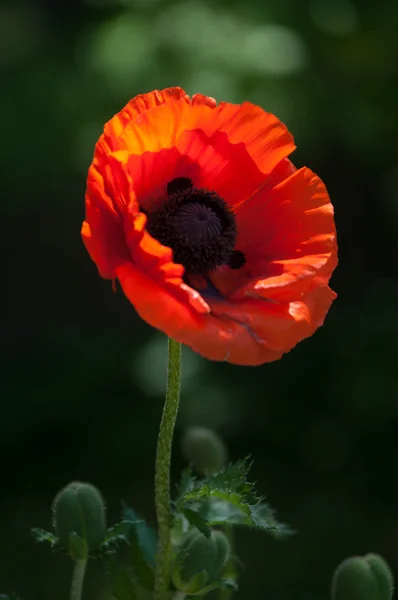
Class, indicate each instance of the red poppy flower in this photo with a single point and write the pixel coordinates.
(215, 237)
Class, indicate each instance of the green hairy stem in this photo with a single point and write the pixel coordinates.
(162, 472)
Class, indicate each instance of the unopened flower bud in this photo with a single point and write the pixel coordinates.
(382, 574)
(199, 561)
(363, 578)
(79, 512)
(204, 449)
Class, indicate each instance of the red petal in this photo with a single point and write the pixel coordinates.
(216, 339)
(293, 219)
(102, 231)
(152, 171)
(234, 145)
(221, 166)
(279, 325)
(266, 139)
(287, 233)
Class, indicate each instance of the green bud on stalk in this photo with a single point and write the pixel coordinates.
(363, 578)
(204, 449)
(199, 561)
(79, 519)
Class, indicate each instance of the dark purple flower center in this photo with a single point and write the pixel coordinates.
(198, 226)
(199, 222)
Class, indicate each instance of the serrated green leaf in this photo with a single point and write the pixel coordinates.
(146, 535)
(232, 480)
(234, 501)
(263, 517)
(187, 481)
(196, 520)
(122, 541)
(41, 535)
(228, 497)
(219, 512)
(115, 536)
(143, 571)
(120, 580)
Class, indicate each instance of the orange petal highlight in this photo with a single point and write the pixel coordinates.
(265, 137)
(135, 107)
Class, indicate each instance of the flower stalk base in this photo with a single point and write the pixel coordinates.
(79, 572)
(162, 472)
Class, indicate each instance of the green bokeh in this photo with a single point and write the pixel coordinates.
(82, 379)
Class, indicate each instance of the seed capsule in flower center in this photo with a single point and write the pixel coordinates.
(198, 221)
(198, 225)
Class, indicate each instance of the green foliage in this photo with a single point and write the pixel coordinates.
(114, 536)
(9, 597)
(43, 536)
(120, 579)
(146, 535)
(195, 519)
(129, 552)
(226, 497)
(142, 570)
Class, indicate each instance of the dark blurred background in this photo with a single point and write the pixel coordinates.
(83, 378)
